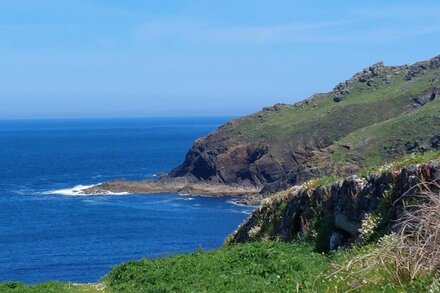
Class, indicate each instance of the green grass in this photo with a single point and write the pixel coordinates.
(252, 267)
(255, 267)
(372, 120)
(51, 287)
(382, 102)
(409, 159)
(385, 141)
(323, 181)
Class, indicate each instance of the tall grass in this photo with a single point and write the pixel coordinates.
(407, 256)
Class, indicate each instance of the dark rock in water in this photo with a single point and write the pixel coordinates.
(172, 185)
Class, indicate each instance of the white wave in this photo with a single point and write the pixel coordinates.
(233, 202)
(246, 212)
(104, 192)
(78, 190)
(186, 198)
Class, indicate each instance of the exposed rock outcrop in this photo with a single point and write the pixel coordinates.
(248, 165)
(425, 97)
(336, 212)
(284, 145)
(418, 68)
(171, 186)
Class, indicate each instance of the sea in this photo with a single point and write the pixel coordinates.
(48, 231)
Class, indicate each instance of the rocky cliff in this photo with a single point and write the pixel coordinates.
(334, 214)
(378, 115)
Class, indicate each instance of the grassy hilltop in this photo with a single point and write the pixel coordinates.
(380, 114)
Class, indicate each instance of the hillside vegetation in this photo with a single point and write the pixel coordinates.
(380, 114)
(254, 267)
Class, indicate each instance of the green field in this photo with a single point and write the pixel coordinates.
(252, 267)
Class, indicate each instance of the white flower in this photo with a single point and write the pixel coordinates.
(253, 232)
(368, 226)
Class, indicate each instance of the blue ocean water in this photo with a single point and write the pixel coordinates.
(48, 234)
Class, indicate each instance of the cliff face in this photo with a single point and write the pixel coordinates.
(334, 213)
(218, 159)
(379, 114)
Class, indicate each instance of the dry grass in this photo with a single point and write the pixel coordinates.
(410, 253)
(419, 234)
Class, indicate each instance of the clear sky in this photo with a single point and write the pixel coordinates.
(107, 58)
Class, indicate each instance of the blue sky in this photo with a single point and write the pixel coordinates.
(110, 58)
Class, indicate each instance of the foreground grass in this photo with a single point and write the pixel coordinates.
(53, 287)
(253, 267)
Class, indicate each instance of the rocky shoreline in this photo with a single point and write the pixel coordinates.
(245, 195)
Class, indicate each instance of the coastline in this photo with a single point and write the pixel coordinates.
(244, 195)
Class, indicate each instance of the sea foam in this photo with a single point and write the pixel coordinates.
(233, 202)
(78, 190)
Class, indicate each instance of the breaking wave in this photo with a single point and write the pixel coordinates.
(78, 190)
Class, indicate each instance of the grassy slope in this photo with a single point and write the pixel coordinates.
(385, 141)
(325, 120)
(51, 287)
(254, 267)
